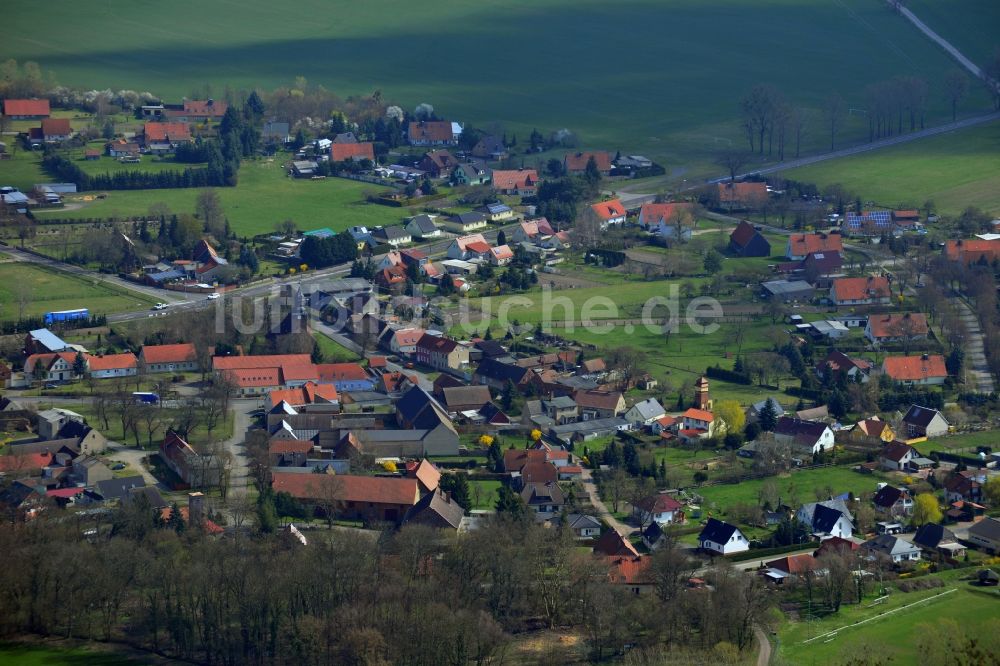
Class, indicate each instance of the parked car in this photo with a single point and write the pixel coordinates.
(212, 297)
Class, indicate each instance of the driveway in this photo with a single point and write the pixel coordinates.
(602, 510)
(239, 468)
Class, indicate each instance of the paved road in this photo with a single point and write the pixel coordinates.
(866, 148)
(239, 468)
(602, 510)
(160, 294)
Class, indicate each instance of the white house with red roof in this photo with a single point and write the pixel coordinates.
(113, 365)
(923, 370)
(660, 508)
(869, 290)
(180, 357)
(501, 255)
(469, 247)
(533, 231)
(516, 182)
(611, 213)
(882, 328)
(799, 246)
(698, 419)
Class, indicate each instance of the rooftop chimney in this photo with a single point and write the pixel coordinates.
(196, 508)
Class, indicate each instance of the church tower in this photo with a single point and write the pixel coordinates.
(701, 398)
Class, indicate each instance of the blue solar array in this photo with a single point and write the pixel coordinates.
(879, 218)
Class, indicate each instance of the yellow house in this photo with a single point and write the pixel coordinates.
(873, 428)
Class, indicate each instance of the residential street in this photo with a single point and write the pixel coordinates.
(602, 509)
(239, 470)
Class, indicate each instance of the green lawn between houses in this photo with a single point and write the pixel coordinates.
(794, 488)
(624, 99)
(47, 290)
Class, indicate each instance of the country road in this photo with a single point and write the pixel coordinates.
(940, 41)
(865, 148)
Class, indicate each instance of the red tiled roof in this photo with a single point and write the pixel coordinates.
(56, 127)
(290, 446)
(347, 488)
(464, 241)
(614, 544)
(659, 503)
(514, 179)
(698, 415)
(794, 564)
(113, 362)
(539, 472)
(255, 377)
(207, 108)
(515, 459)
(861, 288)
(895, 325)
(25, 462)
(64, 493)
(436, 343)
(166, 131)
(971, 251)
(597, 399)
(427, 474)
(305, 394)
(185, 512)
(345, 151)
(502, 252)
(431, 130)
(179, 353)
(333, 372)
(742, 192)
(26, 107)
(262, 361)
(914, 368)
(652, 213)
(896, 451)
(743, 233)
(803, 244)
(578, 161)
(377, 362)
(629, 570)
(608, 210)
(478, 247)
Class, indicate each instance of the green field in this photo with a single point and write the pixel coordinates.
(955, 170)
(794, 488)
(44, 291)
(896, 634)
(333, 352)
(22, 654)
(968, 25)
(661, 77)
(264, 197)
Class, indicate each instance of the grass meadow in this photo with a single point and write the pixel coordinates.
(264, 197)
(969, 25)
(46, 291)
(28, 654)
(794, 488)
(660, 77)
(955, 170)
(895, 635)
